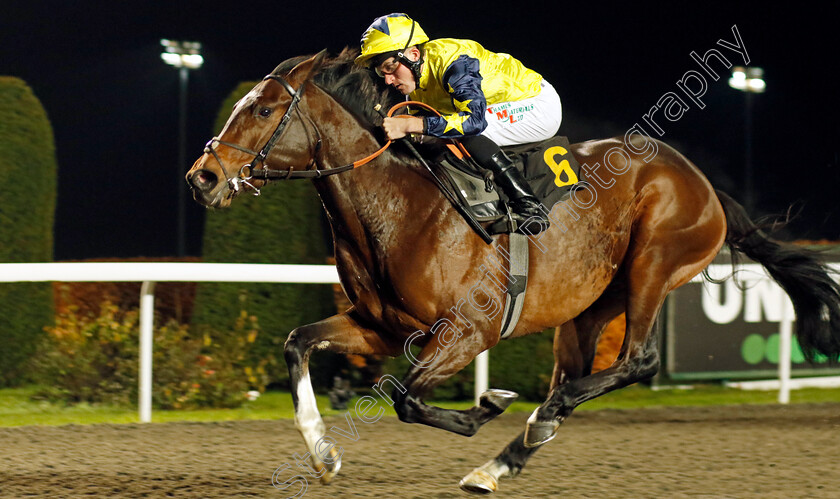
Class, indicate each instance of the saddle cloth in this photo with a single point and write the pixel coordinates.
(549, 167)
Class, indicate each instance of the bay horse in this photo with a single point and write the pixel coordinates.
(406, 259)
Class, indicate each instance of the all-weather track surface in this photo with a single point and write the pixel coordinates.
(710, 452)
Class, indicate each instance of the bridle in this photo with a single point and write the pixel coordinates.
(249, 171)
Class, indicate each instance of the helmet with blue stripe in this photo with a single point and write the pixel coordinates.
(390, 33)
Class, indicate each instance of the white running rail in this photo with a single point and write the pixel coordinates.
(150, 273)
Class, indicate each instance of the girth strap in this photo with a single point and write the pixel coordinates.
(517, 283)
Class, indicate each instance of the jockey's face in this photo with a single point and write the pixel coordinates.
(398, 75)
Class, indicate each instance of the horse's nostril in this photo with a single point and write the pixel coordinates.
(203, 180)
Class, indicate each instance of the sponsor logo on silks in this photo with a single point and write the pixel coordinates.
(561, 167)
(509, 111)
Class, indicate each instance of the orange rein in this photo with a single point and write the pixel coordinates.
(391, 111)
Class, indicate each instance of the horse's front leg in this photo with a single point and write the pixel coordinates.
(342, 334)
(444, 355)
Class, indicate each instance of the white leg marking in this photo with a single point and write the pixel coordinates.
(532, 419)
(496, 468)
(310, 425)
(307, 418)
(485, 480)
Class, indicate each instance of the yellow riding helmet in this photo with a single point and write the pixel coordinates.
(390, 33)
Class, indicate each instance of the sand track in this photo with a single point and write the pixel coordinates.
(738, 451)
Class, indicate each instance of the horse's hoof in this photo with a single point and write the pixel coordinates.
(539, 432)
(497, 400)
(479, 482)
(330, 469)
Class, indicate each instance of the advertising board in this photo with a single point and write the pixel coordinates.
(731, 330)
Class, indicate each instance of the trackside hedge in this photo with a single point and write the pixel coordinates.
(284, 225)
(94, 358)
(27, 206)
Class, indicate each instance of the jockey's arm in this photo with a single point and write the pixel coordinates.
(462, 79)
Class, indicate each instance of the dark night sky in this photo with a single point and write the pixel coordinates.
(113, 103)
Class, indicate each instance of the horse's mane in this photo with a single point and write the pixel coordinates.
(357, 88)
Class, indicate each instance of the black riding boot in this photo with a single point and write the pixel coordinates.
(523, 202)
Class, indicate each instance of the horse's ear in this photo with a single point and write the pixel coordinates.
(319, 60)
(314, 63)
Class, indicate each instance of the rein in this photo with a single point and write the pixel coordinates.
(250, 171)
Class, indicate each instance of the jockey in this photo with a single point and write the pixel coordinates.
(486, 99)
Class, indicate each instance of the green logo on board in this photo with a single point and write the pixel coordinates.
(756, 348)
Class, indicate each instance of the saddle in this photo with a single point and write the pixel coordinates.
(549, 167)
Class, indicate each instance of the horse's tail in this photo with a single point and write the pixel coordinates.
(815, 295)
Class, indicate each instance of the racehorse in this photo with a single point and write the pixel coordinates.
(406, 259)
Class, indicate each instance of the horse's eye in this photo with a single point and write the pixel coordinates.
(265, 112)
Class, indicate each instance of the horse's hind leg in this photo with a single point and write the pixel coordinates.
(656, 264)
(638, 360)
(339, 333)
(575, 344)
